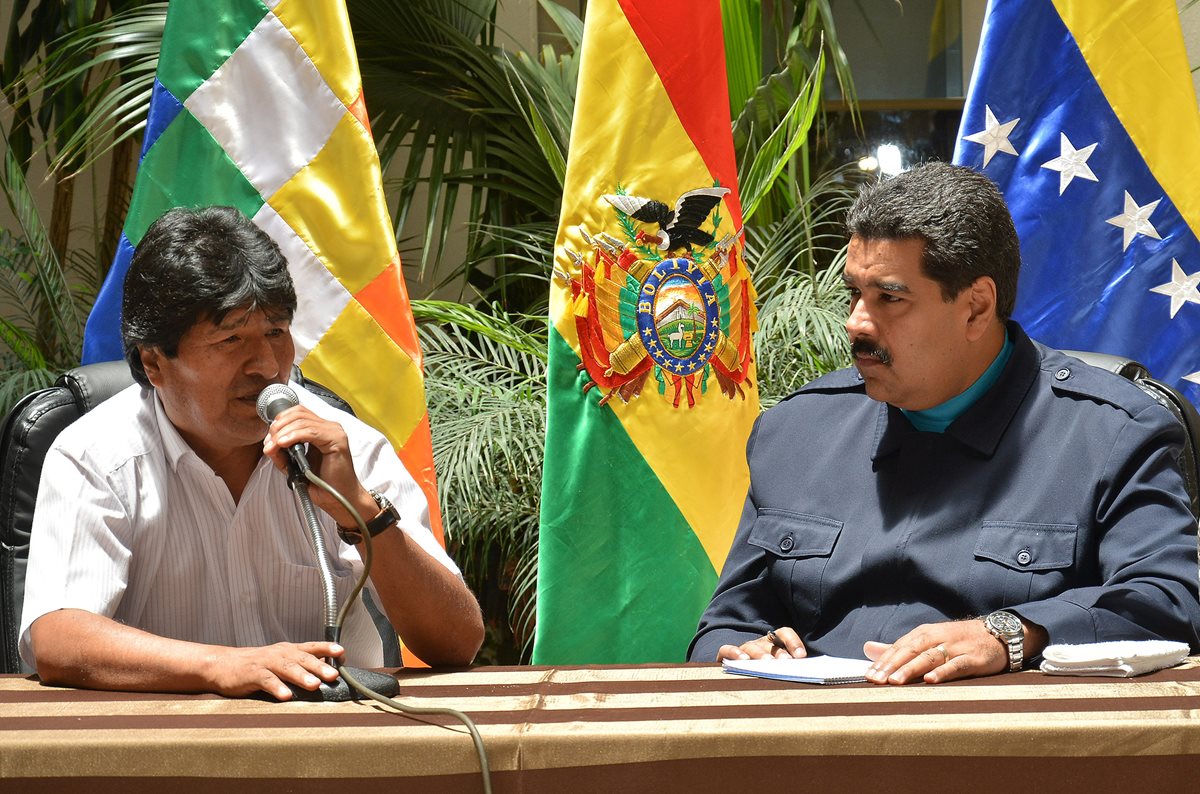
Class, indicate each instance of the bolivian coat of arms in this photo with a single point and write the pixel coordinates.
(664, 303)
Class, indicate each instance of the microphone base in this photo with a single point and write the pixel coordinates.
(339, 691)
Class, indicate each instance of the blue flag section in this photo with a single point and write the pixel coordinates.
(1083, 119)
(102, 336)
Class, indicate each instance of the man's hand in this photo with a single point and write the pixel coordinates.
(329, 454)
(936, 652)
(765, 647)
(77, 648)
(236, 672)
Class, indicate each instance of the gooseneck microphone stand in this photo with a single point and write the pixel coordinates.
(381, 688)
(340, 690)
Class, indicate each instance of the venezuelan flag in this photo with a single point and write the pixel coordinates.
(1085, 115)
(652, 391)
(259, 106)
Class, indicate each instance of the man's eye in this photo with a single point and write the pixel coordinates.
(888, 297)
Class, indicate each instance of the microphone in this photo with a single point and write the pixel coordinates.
(272, 401)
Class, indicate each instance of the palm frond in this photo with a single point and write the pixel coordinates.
(467, 116)
(741, 21)
(485, 386)
(780, 146)
(57, 313)
(801, 333)
(117, 58)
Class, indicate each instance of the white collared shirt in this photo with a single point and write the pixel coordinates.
(131, 524)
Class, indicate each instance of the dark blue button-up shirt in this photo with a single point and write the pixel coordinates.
(1056, 495)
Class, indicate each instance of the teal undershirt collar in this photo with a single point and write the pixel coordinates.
(939, 417)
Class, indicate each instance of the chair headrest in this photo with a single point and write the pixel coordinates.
(1118, 365)
(92, 384)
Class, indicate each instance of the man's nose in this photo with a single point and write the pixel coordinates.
(261, 360)
(858, 323)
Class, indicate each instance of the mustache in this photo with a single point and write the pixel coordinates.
(254, 386)
(861, 347)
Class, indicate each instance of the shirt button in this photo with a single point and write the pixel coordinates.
(1062, 374)
(786, 544)
(1024, 557)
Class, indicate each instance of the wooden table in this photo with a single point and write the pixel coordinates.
(686, 728)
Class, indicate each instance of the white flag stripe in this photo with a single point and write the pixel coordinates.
(268, 107)
(320, 297)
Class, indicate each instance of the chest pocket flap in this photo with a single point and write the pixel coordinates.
(1027, 547)
(791, 535)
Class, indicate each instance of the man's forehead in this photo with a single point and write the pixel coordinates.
(239, 317)
(891, 264)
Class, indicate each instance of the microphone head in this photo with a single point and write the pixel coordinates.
(274, 400)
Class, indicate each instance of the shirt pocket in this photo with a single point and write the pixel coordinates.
(798, 547)
(1017, 562)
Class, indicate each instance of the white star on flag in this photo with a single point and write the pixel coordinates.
(1135, 220)
(993, 137)
(1193, 378)
(1071, 163)
(1181, 288)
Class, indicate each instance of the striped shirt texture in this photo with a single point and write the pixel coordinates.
(131, 524)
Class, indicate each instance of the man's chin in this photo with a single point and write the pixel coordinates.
(871, 380)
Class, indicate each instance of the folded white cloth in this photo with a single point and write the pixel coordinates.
(1121, 659)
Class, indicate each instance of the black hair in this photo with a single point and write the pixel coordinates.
(198, 264)
(962, 219)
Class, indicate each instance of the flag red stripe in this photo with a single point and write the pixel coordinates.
(688, 52)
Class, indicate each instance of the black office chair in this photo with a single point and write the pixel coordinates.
(28, 432)
(1179, 406)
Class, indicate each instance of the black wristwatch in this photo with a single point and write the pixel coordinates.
(388, 516)
(1007, 627)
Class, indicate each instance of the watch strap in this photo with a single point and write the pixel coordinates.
(1013, 640)
(387, 516)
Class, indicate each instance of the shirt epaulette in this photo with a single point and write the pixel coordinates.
(842, 380)
(1069, 375)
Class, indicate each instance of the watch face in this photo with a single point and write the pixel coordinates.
(1005, 623)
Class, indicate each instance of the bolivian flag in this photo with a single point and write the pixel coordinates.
(1084, 113)
(652, 391)
(259, 105)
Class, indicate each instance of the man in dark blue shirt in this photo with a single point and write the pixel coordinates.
(963, 496)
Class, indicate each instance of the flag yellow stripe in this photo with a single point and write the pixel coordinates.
(386, 299)
(356, 359)
(670, 439)
(335, 204)
(323, 30)
(1135, 50)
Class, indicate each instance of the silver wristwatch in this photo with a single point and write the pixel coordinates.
(1006, 627)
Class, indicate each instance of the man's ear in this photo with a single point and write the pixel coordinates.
(982, 304)
(152, 363)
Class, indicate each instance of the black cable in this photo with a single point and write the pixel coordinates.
(367, 558)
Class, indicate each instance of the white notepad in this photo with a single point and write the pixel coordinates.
(810, 670)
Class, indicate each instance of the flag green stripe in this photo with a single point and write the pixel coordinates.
(199, 37)
(186, 167)
(614, 551)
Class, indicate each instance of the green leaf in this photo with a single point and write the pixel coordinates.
(570, 25)
(48, 274)
(782, 144)
(741, 21)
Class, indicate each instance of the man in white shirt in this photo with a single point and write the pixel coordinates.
(166, 551)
